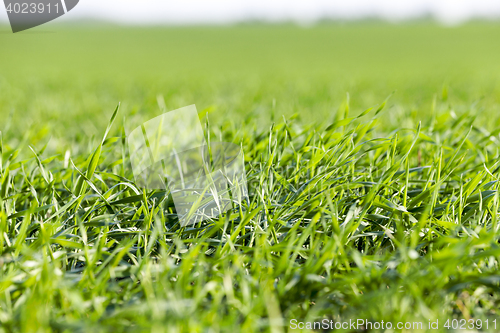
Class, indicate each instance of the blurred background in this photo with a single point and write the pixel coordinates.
(247, 61)
(301, 11)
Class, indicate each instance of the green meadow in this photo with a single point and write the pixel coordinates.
(372, 158)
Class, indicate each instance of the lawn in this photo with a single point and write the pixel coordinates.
(371, 153)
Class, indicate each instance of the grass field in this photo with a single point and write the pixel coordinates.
(372, 156)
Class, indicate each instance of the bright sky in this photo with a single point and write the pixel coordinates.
(230, 11)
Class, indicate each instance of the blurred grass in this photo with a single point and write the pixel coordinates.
(63, 74)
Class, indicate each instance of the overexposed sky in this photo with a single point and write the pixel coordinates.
(306, 11)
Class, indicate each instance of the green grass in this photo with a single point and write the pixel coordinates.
(389, 214)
